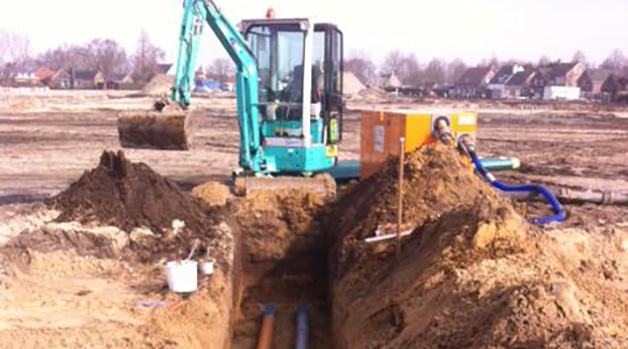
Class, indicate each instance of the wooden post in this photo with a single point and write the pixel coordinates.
(402, 142)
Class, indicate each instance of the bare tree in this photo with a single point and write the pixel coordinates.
(222, 69)
(434, 73)
(392, 63)
(146, 58)
(14, 51)
(74, 57)
(544, 60)
(107, 56)
(14, 47)
(579, 56)
(491, 62)
(455, 69)
(362, 67)
(615, 61)
(409, 71)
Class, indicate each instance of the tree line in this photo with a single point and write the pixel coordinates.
(104, 55)
(436, 72)
(109, 57)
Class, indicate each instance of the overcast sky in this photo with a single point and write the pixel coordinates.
(467, 29)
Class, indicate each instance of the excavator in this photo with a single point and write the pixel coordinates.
(288, 89)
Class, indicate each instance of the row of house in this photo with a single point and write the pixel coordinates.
(71, 79)
(568, 81)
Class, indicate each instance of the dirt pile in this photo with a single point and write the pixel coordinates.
(213, 193)
(159, 85)
(127, 195)
(351, 85)
(473, 274)
(124, 209)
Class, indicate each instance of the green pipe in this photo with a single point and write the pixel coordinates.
(494, 164)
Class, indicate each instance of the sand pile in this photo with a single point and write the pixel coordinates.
(473, 274)
(159, 85)
(351, 85)
(213, 193)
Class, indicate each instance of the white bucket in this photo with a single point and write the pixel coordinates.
(207, 268)
(182, 276)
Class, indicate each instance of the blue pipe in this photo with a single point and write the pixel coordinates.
(557, 208)
(302, 327)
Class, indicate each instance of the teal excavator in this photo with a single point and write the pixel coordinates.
(288, 86)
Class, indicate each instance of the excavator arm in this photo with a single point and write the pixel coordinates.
(197, 12)
(150, 130)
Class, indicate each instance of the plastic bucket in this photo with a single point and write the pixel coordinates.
(182, 276)
(207, 268)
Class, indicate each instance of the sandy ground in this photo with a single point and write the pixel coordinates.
(50, 139)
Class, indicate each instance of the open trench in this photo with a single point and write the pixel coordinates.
(296, 274)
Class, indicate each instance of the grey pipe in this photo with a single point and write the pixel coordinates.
(303, 329)
(581, 196)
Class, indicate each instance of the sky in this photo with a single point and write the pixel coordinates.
(468, 29)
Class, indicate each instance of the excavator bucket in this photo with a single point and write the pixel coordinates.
(167, 129)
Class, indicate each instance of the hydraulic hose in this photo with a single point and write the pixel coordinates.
(557, 208)
(303, 328)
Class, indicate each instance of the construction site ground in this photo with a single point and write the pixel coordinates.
(65, 298)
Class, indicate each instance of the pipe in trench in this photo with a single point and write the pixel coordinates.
(303, 329)
(265, 340)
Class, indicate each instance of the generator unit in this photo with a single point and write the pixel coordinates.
(381, 132)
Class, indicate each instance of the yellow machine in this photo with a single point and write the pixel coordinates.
(382, 131)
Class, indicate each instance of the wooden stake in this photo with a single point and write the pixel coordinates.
(402, 142)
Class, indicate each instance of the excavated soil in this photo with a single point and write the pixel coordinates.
(95, 277)
(473, 273)
(136, 206)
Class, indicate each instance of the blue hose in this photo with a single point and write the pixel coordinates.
(557, 208)
(302, 327)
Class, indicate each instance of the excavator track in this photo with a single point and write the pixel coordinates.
(321, 184)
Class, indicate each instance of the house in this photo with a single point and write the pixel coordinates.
(558, 80)
(44, 75)
(497, 84)
(27, 78)
(87, 79)
(616, 88)
(61, 80)
(520, 85)
(474, 83)
(65, 79)
(390, 82)
(591, 82)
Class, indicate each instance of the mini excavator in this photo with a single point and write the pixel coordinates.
(288, 89)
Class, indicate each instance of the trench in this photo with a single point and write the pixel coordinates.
(299, 277)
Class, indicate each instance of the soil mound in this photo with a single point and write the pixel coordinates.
(127, 195)
(159, 85)
(473, 273)
(436, 180)
(351, 84)
(213, 193)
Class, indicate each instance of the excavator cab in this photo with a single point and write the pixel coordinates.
(300, 109)
(288, 91)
